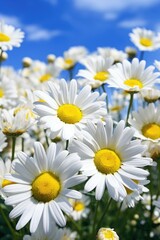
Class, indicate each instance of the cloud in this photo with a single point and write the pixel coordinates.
(36, 33)
(131, 23)
(105, 6)
(33, 32)
(110, 16)
(11, 20)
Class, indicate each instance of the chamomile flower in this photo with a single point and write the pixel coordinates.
(10, 37)
(96, 72)
(16, 122)
(80, 209)
(134, 196)
(146, 123)
(117, 55)
(3, 142)
(65, 111)
(107, 234)
(5, 167)
(132, 76)
(150, 95)
(111, 159)
(43, 185)
(144, 39)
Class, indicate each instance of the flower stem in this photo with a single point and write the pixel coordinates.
(13, 147)
(67, 143)
(104, 90)
(94, 220)
(104, 213)
(129, 108)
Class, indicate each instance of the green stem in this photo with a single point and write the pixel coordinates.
(7, 222)
(22, 144)
(94, 220)
(46, 137)
(104, 213)
(129, 108)
(75, 225)
(104, 90)
(13, 147)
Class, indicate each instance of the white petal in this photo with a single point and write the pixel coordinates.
(57, 214)
(40, 156)
(36, 217)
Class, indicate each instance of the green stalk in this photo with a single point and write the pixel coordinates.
(13, 147)
(129, 108)
(94, 220)
(104, 90)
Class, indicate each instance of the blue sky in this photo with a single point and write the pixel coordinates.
(52, 26)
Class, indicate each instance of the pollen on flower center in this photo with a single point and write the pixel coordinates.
(133, 82)
(151, 130)
(4, 38)
(146, 42)
(101, 76)
(78, 206)
(46, 187)
(1, 93)
(45, 77)
(108, 234)
(107, 161)
(69, 113)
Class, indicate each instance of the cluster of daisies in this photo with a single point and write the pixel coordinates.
(69, 144)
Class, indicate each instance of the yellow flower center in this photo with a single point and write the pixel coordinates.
(78, 206)
(116, 108)
(101, 76)
(107, 161)
(133, 82)
(151, 130)
(1, 93)
(45, 77)
(146, 42)
(4, 37)
(69, 113)
(108, 234)
(6, 182)
(46, 187)
(68, 63)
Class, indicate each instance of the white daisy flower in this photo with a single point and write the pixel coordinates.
(144, 39)
(71, 57)
(5, 167)
(65, 111)
(42, 186)
(150, 95)
(10, 37)
(80, 209)
(146, 122)
(117, 55)
(107, 234)
(111, 159)
(3, 142)
(96, 72)
(16, 121)
(132, 76)
(134, 196)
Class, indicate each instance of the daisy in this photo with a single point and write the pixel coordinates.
(71, 57)
(80, 209)
(5, 167)
(107, 234)
(146, 123)
(42, 186)
(132, 76)
(144, 39)
(111, 159)
(117, 55)
(65, 111)
(96, 72)
(10, 37)
(150, 95)
(3, 142)
(16, 121)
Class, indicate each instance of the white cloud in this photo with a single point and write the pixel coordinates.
(11, 20)
(36, 33)
(112, 5)
(33, 32)
(131, 23)
(110, 16)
